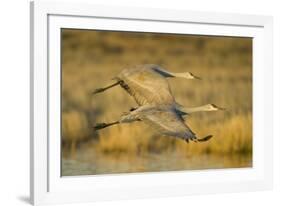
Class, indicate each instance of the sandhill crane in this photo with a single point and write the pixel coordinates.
(147, 84)
(163, 117)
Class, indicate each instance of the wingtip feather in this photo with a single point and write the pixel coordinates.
(204, 139)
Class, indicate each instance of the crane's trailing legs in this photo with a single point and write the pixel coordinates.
(99, 90)
(104, 125)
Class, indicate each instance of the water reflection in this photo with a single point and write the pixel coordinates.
(93, 164)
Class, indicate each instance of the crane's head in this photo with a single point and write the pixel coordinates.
(213, 107)
(189, 75)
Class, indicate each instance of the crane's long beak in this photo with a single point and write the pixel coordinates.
(218, 108)
(195, 77)
(192, 76)
(221, 108)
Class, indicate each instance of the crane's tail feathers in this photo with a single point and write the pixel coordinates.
(204, 139)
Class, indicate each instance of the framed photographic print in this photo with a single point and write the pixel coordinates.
(126, 105)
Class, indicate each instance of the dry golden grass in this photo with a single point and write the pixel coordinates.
(90, 59)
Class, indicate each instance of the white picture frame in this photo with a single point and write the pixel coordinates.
(47, 186)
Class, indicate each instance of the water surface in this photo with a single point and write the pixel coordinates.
(92, 164)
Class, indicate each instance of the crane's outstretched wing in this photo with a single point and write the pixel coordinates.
(146, 86)
(169, 123)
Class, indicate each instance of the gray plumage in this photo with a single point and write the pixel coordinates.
(147, 84)
(163, 118)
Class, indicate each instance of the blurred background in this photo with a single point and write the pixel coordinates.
(90, 59)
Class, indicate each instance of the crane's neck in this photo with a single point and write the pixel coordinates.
(168, 74)
(178, 74)
(189, 110)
